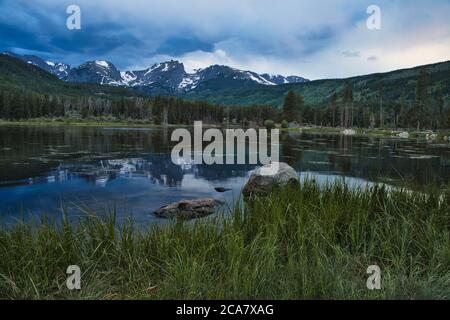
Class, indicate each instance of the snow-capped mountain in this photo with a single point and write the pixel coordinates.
(98, 71)
(172, 77)
(59, 69)
(279, 79)
(216, 71)
(168, 77)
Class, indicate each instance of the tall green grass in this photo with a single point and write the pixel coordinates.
(308, 243)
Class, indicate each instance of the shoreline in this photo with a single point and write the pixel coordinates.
(93, 123)
(379, 133)
(441, 134)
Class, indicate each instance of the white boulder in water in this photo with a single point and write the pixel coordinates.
(431, 136)
(270, 177)
(404, 135)
(349, 132)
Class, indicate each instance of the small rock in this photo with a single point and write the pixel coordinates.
(431, 136)
(270, 177)
(222, 189)
(349, 132)
(189, 209)
(404, 135)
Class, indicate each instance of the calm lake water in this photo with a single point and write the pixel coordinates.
(44, 169)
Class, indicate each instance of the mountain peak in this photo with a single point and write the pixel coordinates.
(168, 66)
(97, 71)
(59, 69)
(103, 63)
(97, 63)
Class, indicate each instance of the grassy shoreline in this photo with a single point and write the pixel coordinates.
(81, 123)
(97, 123)
(388, 133)
(307, 243)
(101, 122)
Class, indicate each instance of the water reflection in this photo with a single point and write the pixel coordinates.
(42, 167)
(158, 169)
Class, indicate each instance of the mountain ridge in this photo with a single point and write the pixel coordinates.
(169, 77)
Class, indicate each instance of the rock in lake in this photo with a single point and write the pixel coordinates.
(189, 209)
(349, 132)
(265, 179)
(404, 135)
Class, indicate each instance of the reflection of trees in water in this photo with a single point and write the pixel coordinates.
(332, 159)
(42, 149)
(35, 141)
(58, 153)
(290, 153)
(345, 166)
(345, 143)
(370, 158)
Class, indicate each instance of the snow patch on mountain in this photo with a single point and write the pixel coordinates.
(259, 79)
(102, 63)
(128, 77)
(279, 79)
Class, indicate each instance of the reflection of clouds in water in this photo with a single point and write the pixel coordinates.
(324, 179)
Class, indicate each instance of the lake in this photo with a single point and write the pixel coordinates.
(46, 169)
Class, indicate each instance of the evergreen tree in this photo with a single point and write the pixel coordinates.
(421, 116)
(333, 107)
(397, 110)
(447, 119)
(440, 112)
(380, 95)
(289, 106)
(347, 112)
(293, 107)
(299, 108)
(2, 110)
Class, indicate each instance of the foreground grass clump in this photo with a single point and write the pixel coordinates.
(311, 243)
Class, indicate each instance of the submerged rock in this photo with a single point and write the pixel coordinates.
(189, 209)
(265, 179)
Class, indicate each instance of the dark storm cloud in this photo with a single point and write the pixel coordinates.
(287, 36)
(179, 46)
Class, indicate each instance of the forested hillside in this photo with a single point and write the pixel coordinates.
(29, 92)
(396, 85)
(412, 98)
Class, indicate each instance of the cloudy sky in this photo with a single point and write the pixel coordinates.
(315, 39)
